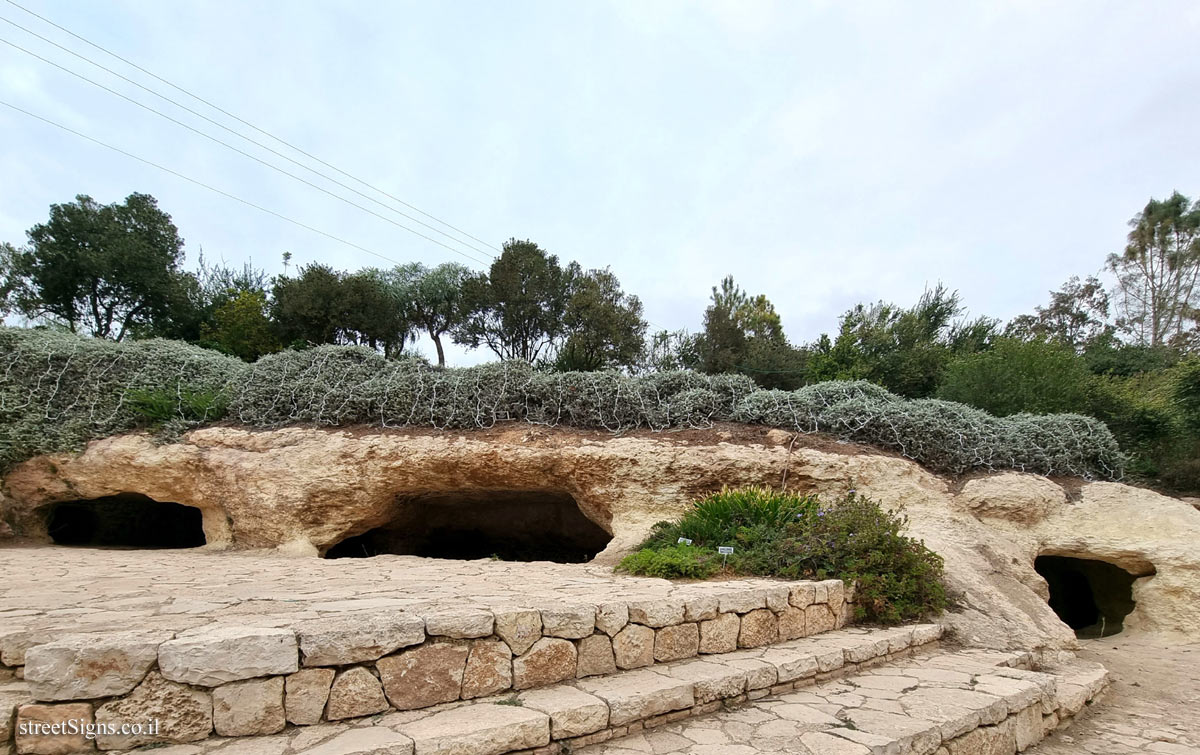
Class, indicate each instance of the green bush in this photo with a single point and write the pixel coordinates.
(797, 537)
(159, 406)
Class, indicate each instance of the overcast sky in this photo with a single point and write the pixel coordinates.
(822, 153)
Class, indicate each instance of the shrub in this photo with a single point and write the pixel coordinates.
(796, 537)
(159, 406)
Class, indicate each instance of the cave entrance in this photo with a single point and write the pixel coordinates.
(512, 525)
(128, 520)
(1090, 596)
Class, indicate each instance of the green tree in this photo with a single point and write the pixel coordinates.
(1019, 376)
(668, 350)
(106, 270)
(603, 324)
(322, 305)
(1077, 315)
(239, 326)
(517, 307)
(904, 350)
(1157, 274)
(744, 333)
(431, 298)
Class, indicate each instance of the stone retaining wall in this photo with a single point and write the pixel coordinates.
(255, 680)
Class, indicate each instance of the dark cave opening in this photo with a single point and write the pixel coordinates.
(1092, 597)
(512, 525)
(128, 520)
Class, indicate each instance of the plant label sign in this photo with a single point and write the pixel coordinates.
(725, 550)
(684, 541)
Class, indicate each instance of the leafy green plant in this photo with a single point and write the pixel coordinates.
(797, 537)
(157, 406)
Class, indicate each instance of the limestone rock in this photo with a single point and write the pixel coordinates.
(1012, 496)
(355, 692)
(365, 740)
(720, 635)
(656, 613)
(425, 675)
(573, 712)
(520, 628)
(15, 641)
(181, 713)
(595, 656)
(633, 646)
(701, 608)
(228, 654)
(460, 624)
(674, 643)
(85, 666)
(759, 628)
(612, 617)
(489, 669)
(305, 694)
(550, 660)
(639, 695)
(741, 601)
(818, 618)
(249, 708)
(483, 729)
(569, 622)
(35, 726)
(356, 637)
(711, 681)
(791, 624)
(803, 595)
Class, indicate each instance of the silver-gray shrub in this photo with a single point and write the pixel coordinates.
(57, 391)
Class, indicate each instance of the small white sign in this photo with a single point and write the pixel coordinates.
(684, 541)
(725, 550)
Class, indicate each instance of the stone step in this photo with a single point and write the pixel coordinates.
(360, 657)
(582, 711)
(947, 703)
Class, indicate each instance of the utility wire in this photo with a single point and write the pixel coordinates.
(245, 122)
(243, 152)
(214, 189)
(238, 134)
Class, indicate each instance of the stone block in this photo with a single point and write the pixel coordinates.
(14, 643)
(818, 618)
(986, 740)
(661, 612)
(355, 692)
(60, 729)
(426, 675)
(720, 635)
(791, 624)
(759, 627)
(176, 712)
(744, 600)
(1027, 727)
(573, 712)
(305, 694)
(638, 695)
(711, 681)
(550, 660)
(519, 628)
(791, 664)
(488, 670)
(759, 673)
(569, 622)
(701, 608)
(85, 666)
(802, 595)
(612, 617)
(483, 729)
(836, 591)
(228, 654)
(595, 656)
(633, 647)
(674, 643)
(364, 740)
(249, 708)
(777, 597)
(357, 637)
(460, 624)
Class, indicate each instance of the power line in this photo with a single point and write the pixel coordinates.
(241, 151)
(220, 125)
(219, 109)
(211, 188)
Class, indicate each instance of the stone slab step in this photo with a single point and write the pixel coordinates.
(585, 711)
(947, 703)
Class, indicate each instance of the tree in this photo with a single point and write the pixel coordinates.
(321, 305)
(744, 334)
(603, 324)
(431, 299)
(516, 309)
(668, 350)
(1019, 376)
(240, 327)
(107, 270)
(904, 350)
(1158, 271)
(1077, 315)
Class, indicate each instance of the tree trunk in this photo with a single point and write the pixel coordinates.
(437, 341)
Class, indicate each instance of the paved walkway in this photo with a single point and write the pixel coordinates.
(1152, 705)
(52, 588)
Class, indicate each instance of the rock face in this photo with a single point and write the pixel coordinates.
(304, 490)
